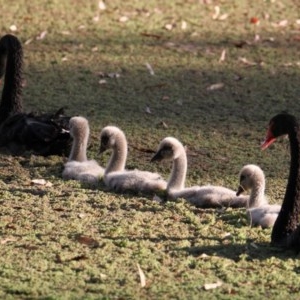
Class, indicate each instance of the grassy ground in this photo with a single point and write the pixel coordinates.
(67, 241)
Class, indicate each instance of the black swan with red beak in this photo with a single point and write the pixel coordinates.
(43, 134)
(286, 230)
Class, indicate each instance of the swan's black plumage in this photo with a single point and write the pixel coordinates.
(44, 134)
(286, 230)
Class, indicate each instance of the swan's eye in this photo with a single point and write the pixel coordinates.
(242, 178)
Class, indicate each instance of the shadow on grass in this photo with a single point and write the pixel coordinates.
(236, 252)
(250, 93)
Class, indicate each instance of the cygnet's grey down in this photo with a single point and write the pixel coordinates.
(115, 176)
(260, 213)
(207, 196)
(78, 166)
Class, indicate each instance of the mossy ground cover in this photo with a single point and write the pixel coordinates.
(221, 69)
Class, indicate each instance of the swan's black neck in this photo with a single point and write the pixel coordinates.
(11, 63)
(284, 230)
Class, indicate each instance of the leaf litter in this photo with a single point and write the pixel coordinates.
(86, 240)
(210, 286)
(142, 276)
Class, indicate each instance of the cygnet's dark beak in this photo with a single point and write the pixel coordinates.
(240, 190)
(101, 149)
(157, 157)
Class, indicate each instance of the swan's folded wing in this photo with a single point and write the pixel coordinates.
(35, 133)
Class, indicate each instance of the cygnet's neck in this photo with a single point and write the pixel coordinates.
(79, 146)
(119, 155)
(179, 169)
(257, 195)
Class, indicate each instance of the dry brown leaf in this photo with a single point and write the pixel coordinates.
(210, 286)
(41, 182)
(81, 215)
(123, 19)
(151, 35)
(169, 26)
(113, 75)
(283, 23)
(86, 240)
(66, 32)
(223, 56)
(28, 41)
(254, 20)
(7, 240)
(150, 69)
(102, 81)
(215, 86)
(157, 199)
(223, 17)
(226, 235)
(164, 124)
(101, 5)
(96, 18)
(42, 35)
(183, 25)
(58, 259)
(13, 28)
(79, 257)
(142, 276)
(38, 181)
(148, 110)
(204, 255)
(254, 245)
(217, 12)
(245, 61)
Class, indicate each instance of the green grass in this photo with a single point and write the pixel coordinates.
(72, 242)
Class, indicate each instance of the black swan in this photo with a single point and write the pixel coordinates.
(43, 134)
(286, 230)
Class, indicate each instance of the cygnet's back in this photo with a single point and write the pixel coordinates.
(116, 177)
(201, 196)
(78, 166)
(264, 216)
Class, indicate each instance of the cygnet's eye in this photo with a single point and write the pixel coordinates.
(167, 151)
(104, 140)
(242, 178)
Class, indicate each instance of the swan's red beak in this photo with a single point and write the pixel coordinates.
(270, 139)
